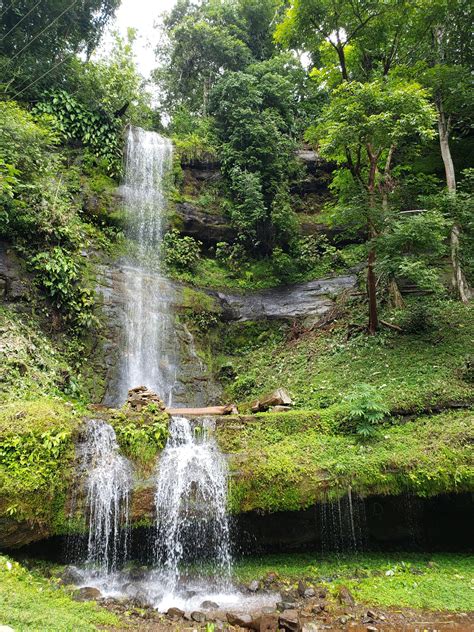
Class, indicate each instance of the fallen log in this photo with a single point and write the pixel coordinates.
(229, 409)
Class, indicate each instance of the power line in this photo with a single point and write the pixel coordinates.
(48, 71)
(20, 21)
(45, 29)
(7, 9)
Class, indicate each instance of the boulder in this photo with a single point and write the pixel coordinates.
(289, 620)
(266, 623)
(70, 575)
(302, 586)
(141, 396)
(209, 605)
(198, 616)
(345, 597)
(282, 606)
(239, 619)
(87, 594)
(175, 614)
(278, 397)
(209, 228)
(304, 299)
(309, 593)
(253, 586)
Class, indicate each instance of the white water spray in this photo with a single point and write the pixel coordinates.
(108, 483)
(191, 498)
(149, 348)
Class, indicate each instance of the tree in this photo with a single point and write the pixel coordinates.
(37, 41)
(255, 113)
(361, 129)
(202, 41)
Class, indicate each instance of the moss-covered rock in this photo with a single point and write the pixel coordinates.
(290, 461)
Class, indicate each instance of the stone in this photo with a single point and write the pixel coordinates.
(138, 573)
(198, 616)
(209, 605)
(141, 396)
(267, 623)
(209, 228)
(309, 593)
(311, 626)
(289, 620)
(301, 588)
(270, 579)
(253, 586)
(279, 397)
(318, 608)
(87, 594)
(240, 619)
(371, 628)
(70, 575)
(345, 597)
(175, 614)
(285, 605)
(279, 409)
(301, 300)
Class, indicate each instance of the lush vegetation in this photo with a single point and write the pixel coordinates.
(30, 602)
(311, 138)
(293, 460)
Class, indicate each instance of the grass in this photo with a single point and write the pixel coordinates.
(429, 581)
(411, 371)
(30, 602)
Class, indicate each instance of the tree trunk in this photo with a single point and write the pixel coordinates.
(372, 293)
(371, 281)
(459, 281)
(396, 299)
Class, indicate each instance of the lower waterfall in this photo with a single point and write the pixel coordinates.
(191, 497)
(108, 481)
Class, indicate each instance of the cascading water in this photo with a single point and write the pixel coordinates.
(191, 498)
(107, 486)
(149, 338)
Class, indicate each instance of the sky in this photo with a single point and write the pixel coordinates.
(141, 15)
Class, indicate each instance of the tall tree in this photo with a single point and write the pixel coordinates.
(38, 39)
(360, 129)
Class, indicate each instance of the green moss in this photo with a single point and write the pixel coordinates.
(29, 602)
(36, 456)
(293, 460)
(140, 435)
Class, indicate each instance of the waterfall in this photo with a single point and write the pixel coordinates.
(191, 496)
(107, 485)
(148, 346)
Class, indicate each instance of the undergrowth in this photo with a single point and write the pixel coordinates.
(30, 602)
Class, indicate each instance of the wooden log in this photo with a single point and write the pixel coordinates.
(229, 409)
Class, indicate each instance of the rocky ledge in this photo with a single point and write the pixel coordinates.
(305, 299)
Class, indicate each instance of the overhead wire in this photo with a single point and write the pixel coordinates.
(56, 65)
(19, 21)
(7, 9)
(44, 30)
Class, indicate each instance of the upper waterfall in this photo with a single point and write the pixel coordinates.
(148, 354)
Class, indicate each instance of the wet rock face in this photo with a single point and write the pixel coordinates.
(15, 283)
(206, 227)
(194, 384)
(304, 299)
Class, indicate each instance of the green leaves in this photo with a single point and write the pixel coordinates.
(60, 275)
(73, 121)
(366, 409)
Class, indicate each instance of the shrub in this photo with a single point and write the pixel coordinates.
(366, 410)
(418, 317)
(181, 253)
